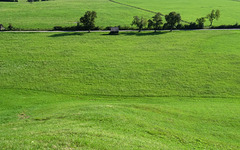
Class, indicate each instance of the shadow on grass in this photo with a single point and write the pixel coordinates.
(67, 34)
(110, 34)
(143, 33)
(139, 33)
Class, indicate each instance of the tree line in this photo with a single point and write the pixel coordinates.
(173, 20)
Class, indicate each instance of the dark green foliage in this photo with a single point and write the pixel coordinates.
(180, 26)
(10, 27)
(192, 25)
(213, 15)
(156, 22)
(226, 26)
(200, 22)
(139, 22)
(58, 28)
(166, 26)
(88, 20)
(172, 19)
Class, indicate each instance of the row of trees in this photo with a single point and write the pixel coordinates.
(172, 19)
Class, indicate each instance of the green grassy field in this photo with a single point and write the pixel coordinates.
(46, 15)
(132, 91)
(131, 64)
(41, 120)
(190, 10)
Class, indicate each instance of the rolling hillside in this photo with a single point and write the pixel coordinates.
(164, 90)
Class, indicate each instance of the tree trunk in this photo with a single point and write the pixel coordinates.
(211, 24)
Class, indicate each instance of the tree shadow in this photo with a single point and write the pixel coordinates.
(144, 33)
(132, 33)
(110, 34)
(67, 34)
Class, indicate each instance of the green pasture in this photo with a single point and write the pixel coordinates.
(164, 90)
(192, 9)
(185, 64)
(46, 15)
(42, 120)
(193, 63)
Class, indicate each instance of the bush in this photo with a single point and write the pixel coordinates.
(58, 28)
(226, 26)
(192, 25)
(166, 26)
(180, 26)
(10, 27)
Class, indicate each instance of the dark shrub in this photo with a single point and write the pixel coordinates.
(166, 26)
(58, 28)
(10, 27)
(180, 26)
(226, 26)
(192, 25)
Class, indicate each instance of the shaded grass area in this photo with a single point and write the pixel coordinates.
(33, 119)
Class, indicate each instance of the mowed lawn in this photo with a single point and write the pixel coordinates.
(165, 90)
(46, 15)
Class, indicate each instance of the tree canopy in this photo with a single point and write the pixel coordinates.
(88, 20)
(139, 22)
(156, 22)
(213, 15)
(172, 19)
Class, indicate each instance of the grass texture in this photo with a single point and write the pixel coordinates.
(46, 15)
(164, 90)
(131, 64)
(40, 120)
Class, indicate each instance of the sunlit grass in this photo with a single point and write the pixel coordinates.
(46, 15)
(165, 90)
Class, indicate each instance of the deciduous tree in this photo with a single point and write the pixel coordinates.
(213, 15)
(156, 22)
(139, 22)
(172, 19)
(88, 20)
(200, 22)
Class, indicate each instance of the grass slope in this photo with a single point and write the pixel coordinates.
(40, 120)
(190, 10)
(131, 91)
(131, 64)
(45, 15)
